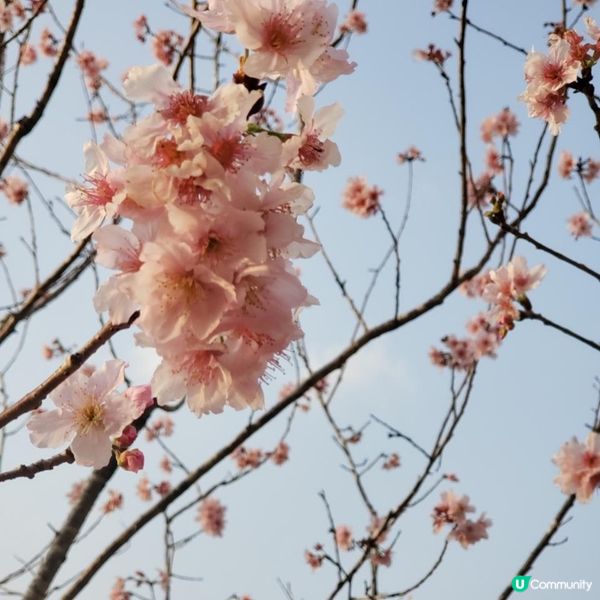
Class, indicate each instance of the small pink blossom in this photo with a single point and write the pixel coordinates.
(566, 164)
(247, 458)
(74, 494)
(355, 22)
(591, 170)
(118, 591)
(48, 43)
(140, 27)
(580, 225)
(360, 198)
(211, 515)
(165, 464)
(468, 532)
(281, 454)
(381, 558)
(343, 537)
(392, 462)
(113, 502)
(579, 464)
(314, 560)
(432, 54)
(411, 154)
(165, 45)
(92, 67)
(144, 489)
(28, 55)
(15, 189)
(442, 6)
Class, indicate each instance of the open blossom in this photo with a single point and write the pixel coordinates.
(546, 77)
(580, 225)
(74, 494)
(281, 454)
(89, 412)
(513, 280)
(432, 54)
(590, 170)
(140, 27)
(15, 189)
(288, 39)
(411, 154)
(392, 462)
(442, 5)
(165, 45)
(361, 198)
(113, 502)
(99, 199)
(382, 558)
(579, 464)
(28, 55)
(343, 537)
(247, 458)
(92, 67)
(452, 510)
(312, 150)
(501, 125)
(211, 515)
(355, 22)
(493, 161)
(480, 191)
(566, 164)
(313, 560)
(48, 43)
(144, 489)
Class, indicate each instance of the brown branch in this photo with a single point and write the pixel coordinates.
(188, 48)
(543, 543)
(529, 314)
(34, 399)
(32, 302)
(26, 124)
(586, 87)
(47, 464)
(525, 236)
(463, 143)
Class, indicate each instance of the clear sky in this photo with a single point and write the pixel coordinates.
(526, 403)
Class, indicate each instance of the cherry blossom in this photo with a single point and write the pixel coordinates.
(89, 413)
(566, 164)
(580, 225)
(579, 464)
(211, 515)
(343, 537)
(361, 198)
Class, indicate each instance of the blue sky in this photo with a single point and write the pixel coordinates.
(526, 403)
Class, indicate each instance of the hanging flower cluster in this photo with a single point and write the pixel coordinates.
(549, 76)
(501, 288)
(579, 464)
(214, 226)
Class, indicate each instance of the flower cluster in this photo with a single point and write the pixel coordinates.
(214, 226)
(579, 464)
(361, 198)
(287, 39)
(452, 510)
(548, 76)
(91, 415)
(211, 515)
(501, 289)
(355, 22)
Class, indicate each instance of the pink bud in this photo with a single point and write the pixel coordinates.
(131, 460)
(141, 396)
(127, 437)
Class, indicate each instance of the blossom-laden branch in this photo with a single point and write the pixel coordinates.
(26, 124)
(34, 399)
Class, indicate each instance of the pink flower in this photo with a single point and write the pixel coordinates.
(89, 413)
(140, 396)
(144, 489)
(566, 164)
(15, 189)
(493, 161)
(355, 22)
(247, 458)
(343, 537)
(580, 225)
(553, 71)
(140, 27)
(432, 54)
(118, 592)
(442, 5)
(451, 509)
(74, 494)
(165, 464)
(114, 502)
(314, 560)
(91, 66)
(281, 453)
(28, 55)
(163, 426)
(99, 199)
(312, 150)
(513, 281)
(591, 170)
(131, 460)
(211, 515)
(480, 191)
(360, 198)
(411, 154)
(392, 462)
(165, 45)
(470, 532)
(382, 558)
(48, 43)
(579, 465)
